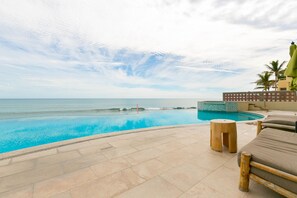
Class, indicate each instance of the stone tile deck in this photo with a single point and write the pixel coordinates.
(172, 162)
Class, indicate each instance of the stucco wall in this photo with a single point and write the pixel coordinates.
(284, 106)
(284, 84)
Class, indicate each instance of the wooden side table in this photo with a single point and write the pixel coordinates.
(229, 131)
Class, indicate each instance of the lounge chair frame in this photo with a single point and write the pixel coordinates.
(245, 175)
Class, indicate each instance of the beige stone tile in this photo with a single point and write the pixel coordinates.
(196, 148)
(152, 133)
(74, 146)
(130, 178)
(95, 149)
(83, 162)
(175, 158)
(185, 176)
(179, 135)
(105, 146)
(202, 134)
(137, 140)
(202, 191)
(121, 143)
(24, 192)
(145, 144)
(170, 146)
(110, 167)
(25, 178)
(150, 169)
(62, 195)
(199, 129)
(209, 161)
(16, 168)
(108, 186)
(118, 152)
(156, 187)
(121, 136)
(35, 155)
(225, 181)
(164, 138)
(187, 140)
(160, 133)
(62, 183)
(58, 158)
(5, 162)
(145, 136)
(202, 138)
(232, 163)
(143, 155)
(99, 141)
(224, 154)
(152, 142)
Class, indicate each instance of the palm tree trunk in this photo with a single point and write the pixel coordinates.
(275, 83)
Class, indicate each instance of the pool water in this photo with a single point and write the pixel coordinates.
(28, 132)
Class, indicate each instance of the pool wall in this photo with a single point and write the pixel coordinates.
(217, 106)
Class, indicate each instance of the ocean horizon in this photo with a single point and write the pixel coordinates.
(26, 108)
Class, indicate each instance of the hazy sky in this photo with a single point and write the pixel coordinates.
(140, 48)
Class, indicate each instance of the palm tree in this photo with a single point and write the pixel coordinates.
(281, 75)
(275, 68)
(264, 81)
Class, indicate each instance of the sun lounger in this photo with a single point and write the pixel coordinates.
(284, 122)
(270, 159)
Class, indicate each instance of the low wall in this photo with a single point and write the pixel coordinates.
(283, 106)
(260, 96)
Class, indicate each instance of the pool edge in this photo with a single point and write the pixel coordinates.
(53, 145)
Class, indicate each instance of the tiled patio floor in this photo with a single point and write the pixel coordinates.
(173, 162)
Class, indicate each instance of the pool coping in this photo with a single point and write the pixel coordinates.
(53, 145)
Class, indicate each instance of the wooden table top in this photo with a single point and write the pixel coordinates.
(222, 121)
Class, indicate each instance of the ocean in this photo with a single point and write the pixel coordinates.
(22, 108)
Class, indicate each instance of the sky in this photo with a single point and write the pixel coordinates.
(140, 48)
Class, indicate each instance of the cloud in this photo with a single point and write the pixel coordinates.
(158, 48)
(259, 14)
(206, 69)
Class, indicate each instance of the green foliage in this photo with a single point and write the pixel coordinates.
(293, 85)
(276, 69)
(281, 75)
(264, 81)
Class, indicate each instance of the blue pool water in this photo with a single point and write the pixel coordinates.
(27, 132)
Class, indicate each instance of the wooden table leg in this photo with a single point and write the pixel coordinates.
(233, 139)
(216, 140)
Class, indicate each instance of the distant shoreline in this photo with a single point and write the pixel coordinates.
(87, 112)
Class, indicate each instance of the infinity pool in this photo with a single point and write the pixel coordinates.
(28, 132)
